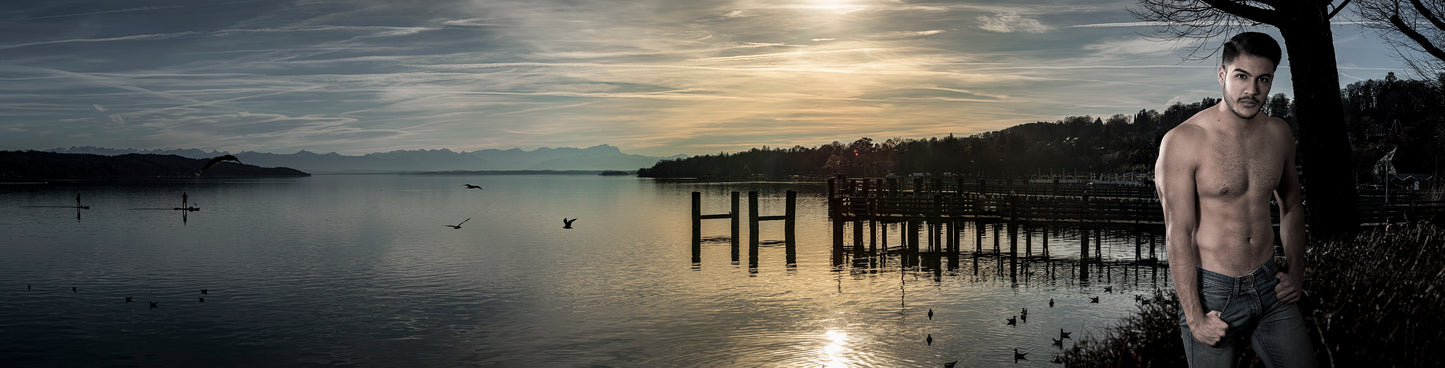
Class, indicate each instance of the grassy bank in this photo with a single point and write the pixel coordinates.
(1376, 301)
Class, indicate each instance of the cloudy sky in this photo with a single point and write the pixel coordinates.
(653, 77)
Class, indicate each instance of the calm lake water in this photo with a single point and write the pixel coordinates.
(358, 270)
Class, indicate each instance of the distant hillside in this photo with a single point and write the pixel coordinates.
(596, 158)
(38, 165)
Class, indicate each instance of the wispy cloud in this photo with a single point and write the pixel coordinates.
(1010, 22)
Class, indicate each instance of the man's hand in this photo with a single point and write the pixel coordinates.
(1289, 289)
(1210, 330)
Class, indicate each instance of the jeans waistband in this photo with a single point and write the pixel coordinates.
(1264, 272)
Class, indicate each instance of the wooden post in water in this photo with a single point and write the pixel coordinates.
(1084, 229)
(978, 231)
(857, 237)
(996, 239)
(1028, 240)
(912, 253)
(752, 229)
(1151, 248)
(837, 241)
(696, 227)
(1138, 244)
(1099, 242)
(737, 236)
(872, 236)
(1046, 239)
(1013, 222)
(789, 228)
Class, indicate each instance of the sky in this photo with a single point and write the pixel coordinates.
(652, 77)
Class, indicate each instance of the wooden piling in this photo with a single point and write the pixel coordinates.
(752, 229)
(696, 227)
(736, 234)
(789, 228)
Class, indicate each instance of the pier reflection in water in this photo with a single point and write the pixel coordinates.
(930, 244)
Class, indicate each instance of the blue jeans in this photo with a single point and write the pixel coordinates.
(1275, 329)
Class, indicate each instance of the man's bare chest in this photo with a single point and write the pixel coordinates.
(1232, 169)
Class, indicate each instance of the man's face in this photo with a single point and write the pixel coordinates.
(1246, 82)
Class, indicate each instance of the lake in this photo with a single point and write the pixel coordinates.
(359, 270)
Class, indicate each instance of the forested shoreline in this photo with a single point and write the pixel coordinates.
(1381, 115)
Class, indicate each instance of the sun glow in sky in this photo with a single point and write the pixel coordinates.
(652, 77)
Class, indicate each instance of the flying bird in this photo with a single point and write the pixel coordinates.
(203, 300)
(1058, 342)
(567, 224)
(153, 305)
(1013, 321)
(1063, 335)
(950, 364)
(203, 291)
(469, 186)
(1019, 356)
(127, 299)
(459, 225)
(930, 313)
(1094, 299)
(217, 160)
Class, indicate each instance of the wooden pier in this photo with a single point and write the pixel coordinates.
(934, 212)
(789, 218)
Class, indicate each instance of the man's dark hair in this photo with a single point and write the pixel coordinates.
(1253, 43)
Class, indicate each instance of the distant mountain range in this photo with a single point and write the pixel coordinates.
(39, 165)
(600, 157)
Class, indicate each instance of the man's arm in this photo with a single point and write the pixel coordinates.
(1174, 179)
(1291, 225)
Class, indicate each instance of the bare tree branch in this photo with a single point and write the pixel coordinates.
(1429, 15)
(1245, 11)
(1409, 29)
(1337, 10)
(1420, 39)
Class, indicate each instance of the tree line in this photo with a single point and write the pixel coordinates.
(1380, 114)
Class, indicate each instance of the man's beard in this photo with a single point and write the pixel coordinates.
(1234, 108)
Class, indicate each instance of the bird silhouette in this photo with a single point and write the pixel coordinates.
(203, 291)
(154, 305)
(27, 287)
(203, 300)
(567, 224)
(469, 186)
(929, 339)
(930, 313)
(1019, 356)
(127, 299)
(950, 364)
(1108, 289)
(1058, 342)
(459, 225)
(1094, 299)
(217, 160)
(1051, 302)
(1063, 335)
(72, 290)
(1013, 321)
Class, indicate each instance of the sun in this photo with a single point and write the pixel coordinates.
(840, 6)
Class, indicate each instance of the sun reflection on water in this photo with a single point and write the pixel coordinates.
(835, 353)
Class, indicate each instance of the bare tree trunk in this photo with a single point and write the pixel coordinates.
(1324, 146)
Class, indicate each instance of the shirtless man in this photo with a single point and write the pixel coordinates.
(1216, 175)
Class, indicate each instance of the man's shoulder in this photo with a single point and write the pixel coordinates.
(1188, 131)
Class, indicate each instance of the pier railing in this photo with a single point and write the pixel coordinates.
(960, 198)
